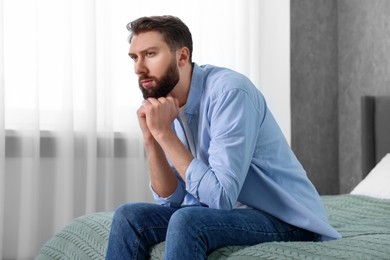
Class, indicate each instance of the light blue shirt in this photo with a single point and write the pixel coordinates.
(241, 155)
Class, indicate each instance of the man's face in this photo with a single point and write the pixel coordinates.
(154, 63)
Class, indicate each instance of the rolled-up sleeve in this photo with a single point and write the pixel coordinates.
(174, 200)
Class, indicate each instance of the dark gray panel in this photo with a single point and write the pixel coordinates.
(382, 127)
(375, 131)
(368, 134)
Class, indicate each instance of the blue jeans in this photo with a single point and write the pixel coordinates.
(192, 232)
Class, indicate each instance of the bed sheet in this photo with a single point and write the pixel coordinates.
(364, 223)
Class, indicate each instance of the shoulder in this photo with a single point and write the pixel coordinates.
(219, 82)
(223, 77)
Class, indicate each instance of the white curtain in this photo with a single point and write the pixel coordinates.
(69, 137)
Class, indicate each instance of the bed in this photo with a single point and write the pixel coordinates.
(362, 217)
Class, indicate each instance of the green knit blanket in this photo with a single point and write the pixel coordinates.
(364, 223)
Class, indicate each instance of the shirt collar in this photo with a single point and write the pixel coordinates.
(196, 89)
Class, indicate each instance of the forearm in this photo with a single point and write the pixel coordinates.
(162, 177)
(177, 153)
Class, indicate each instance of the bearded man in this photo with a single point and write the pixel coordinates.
(220, 168)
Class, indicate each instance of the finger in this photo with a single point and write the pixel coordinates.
(153, 101)
(171, 99)
(174, 100)
(148, 104)
(141, 112)
(162, 100)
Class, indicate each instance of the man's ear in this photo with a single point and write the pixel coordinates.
(184, 56)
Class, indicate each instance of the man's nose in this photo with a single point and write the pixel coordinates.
(139, 67)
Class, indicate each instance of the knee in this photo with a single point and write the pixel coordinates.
(185, 228)
(128, 214)
(185, 219)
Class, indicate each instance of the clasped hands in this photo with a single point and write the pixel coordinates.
(155, 116)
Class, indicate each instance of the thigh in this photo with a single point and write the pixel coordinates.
(145, 216)
(218, 228)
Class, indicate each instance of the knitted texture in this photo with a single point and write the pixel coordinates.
(85, 238)
(364, 223)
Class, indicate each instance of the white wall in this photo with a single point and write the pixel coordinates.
(275, 60)
(253, 38)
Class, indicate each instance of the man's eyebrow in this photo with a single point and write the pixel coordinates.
(144, 51)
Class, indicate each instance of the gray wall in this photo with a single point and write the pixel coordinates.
(314, 91)
(340, 51)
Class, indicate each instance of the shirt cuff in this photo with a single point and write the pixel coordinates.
(174, 200)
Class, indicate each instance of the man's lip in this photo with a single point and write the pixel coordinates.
(146, 82)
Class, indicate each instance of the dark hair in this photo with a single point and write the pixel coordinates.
(175, 33)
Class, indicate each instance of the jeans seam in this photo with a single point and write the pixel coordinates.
(283, 234)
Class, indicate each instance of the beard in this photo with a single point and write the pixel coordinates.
(164, 85)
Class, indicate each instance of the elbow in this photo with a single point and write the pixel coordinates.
(223, 201)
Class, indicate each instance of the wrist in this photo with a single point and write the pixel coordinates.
(150, 142)
(164, 136)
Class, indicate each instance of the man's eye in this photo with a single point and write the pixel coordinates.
(150, 54)
(134, 58)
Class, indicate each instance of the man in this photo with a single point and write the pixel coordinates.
(220, 169)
